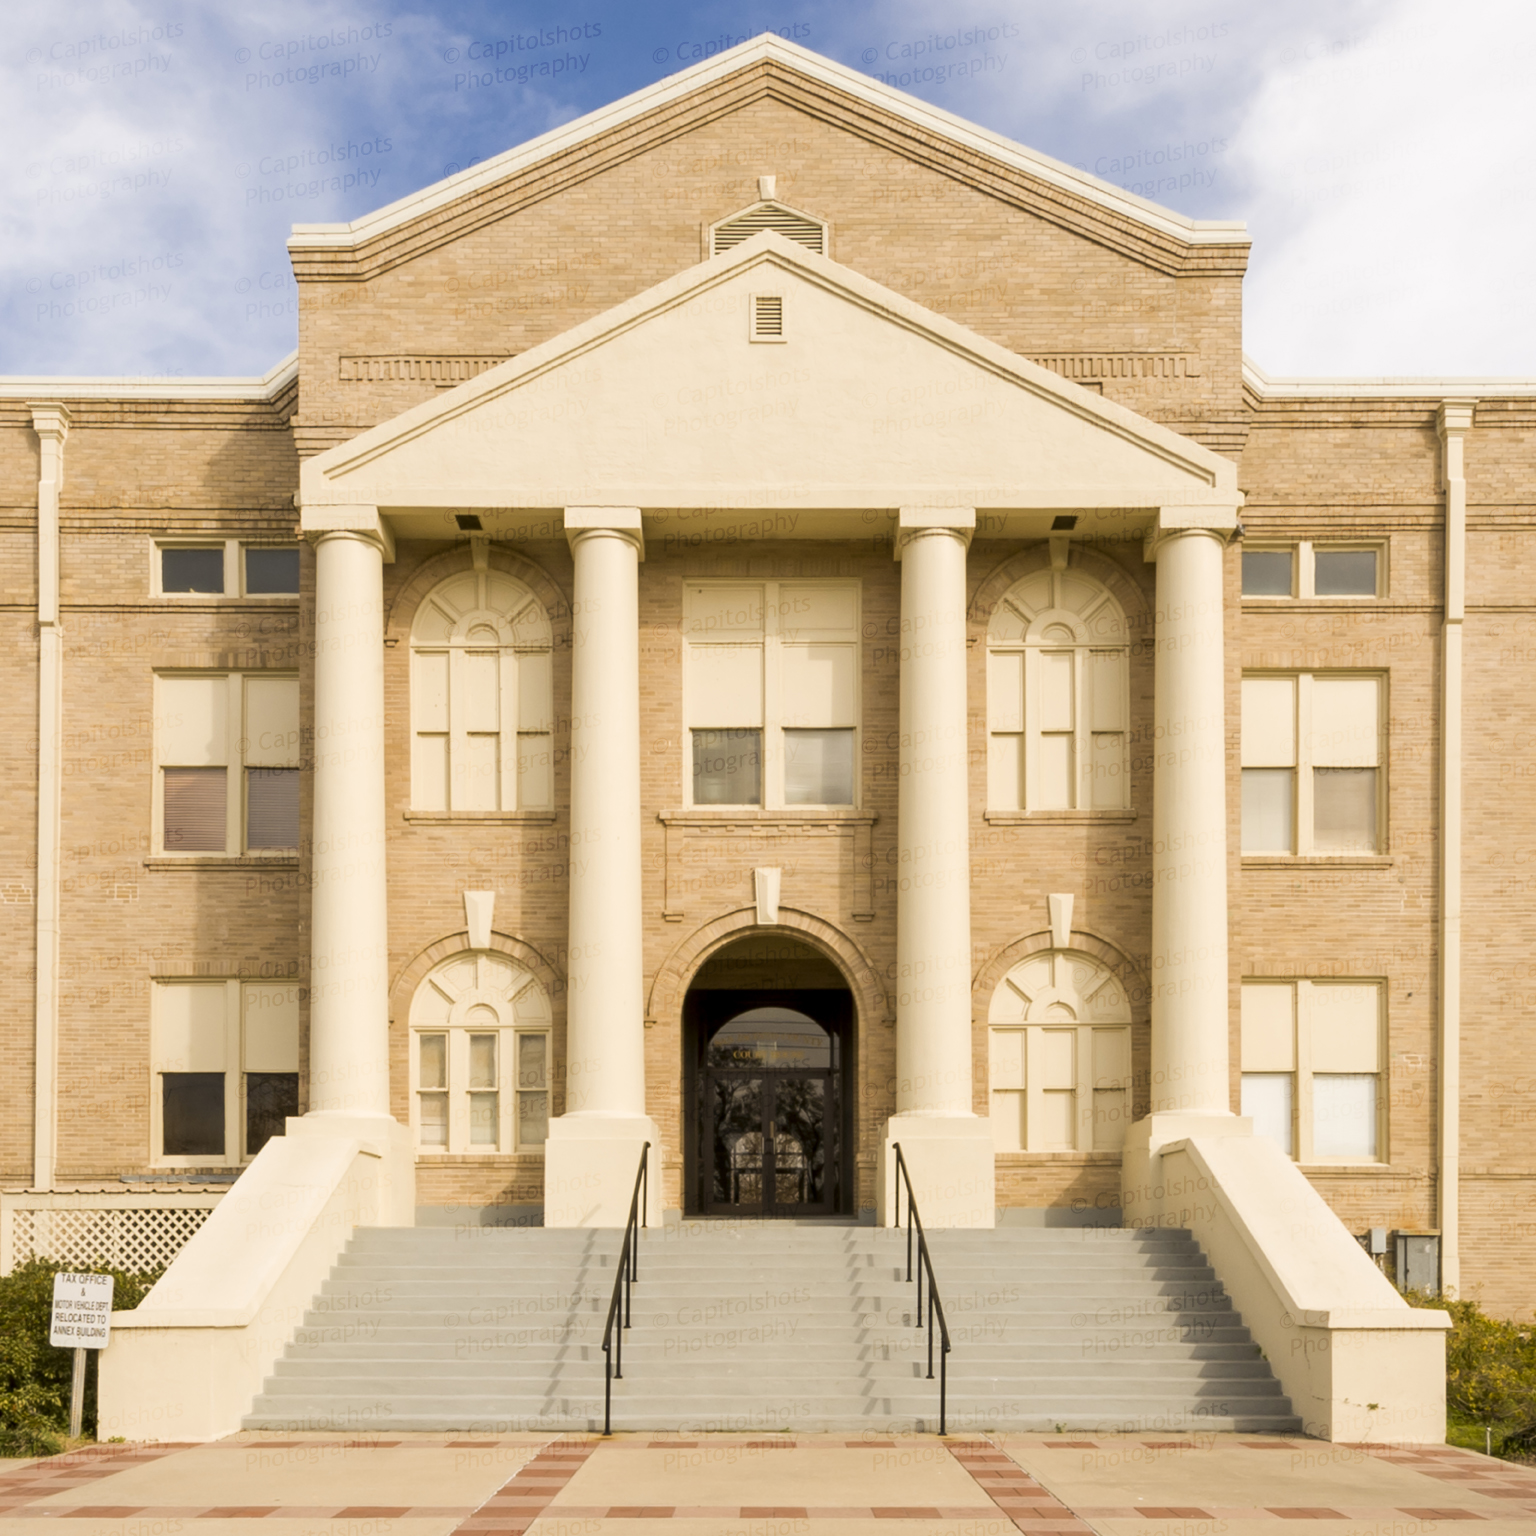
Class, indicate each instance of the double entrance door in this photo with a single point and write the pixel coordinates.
(770, 1142)
(770, 1106)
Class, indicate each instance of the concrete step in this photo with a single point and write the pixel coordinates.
(770, 1326)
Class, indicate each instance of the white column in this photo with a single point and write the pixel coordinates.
(51, 423)
(594, 1148)
(1191, 1087)
(946, 1145)
(1189, 830)
(349, 955)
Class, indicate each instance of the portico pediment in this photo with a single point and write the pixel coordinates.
(864, 403)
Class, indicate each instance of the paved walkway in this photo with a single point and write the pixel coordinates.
(741, 1485)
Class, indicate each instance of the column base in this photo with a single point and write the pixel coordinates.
(951, 1161)
(1145, 1200)
(590, 1163)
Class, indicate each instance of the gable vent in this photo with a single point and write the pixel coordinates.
(799, 227)
(767, 317)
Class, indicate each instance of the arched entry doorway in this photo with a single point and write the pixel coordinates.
(768, 1042)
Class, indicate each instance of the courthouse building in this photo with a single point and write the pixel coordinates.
(773, 621)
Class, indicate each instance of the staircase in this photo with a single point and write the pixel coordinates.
(768, 1326)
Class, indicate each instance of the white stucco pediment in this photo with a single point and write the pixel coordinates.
(868, 403)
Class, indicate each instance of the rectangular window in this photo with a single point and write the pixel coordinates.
(1309, 570)
(271, 572)
(480, 1091)
(225, 1058)
(192, 570)
(218, 731)
(224, 568)
(1311, 1067)
(1268, 572)
(771, 692)
(1311, 749)
(1059, 1088)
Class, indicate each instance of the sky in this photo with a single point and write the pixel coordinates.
(1380, 151)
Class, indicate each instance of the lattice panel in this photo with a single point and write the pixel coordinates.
(135, 1240)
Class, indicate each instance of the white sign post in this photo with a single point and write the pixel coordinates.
(82, 1320)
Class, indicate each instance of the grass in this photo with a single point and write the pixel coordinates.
(34, 1376)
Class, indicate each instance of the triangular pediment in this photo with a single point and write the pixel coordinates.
(868, 402)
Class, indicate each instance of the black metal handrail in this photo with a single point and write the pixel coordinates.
(935, 1306)
(629, 1271)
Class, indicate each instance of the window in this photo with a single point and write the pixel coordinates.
(1308, 570)
(1311, 1067)
(771, 692)
(227, 763)
(225, 1065)
(1058, 684)
(482, 701)
(1059, 1056)
(1311, 755)
(480, 1060)
(225, 567)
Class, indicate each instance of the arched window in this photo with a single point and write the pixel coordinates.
(481, 697)
(480, 1057)
(1058, 689)
(1060, 1056)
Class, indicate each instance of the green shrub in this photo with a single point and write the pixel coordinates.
(34, 1376)
(1490, 1378)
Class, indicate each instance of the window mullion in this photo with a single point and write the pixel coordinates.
(234, 756)
(1306, 579)
(458, 745)
(1083, 1073)
(773, 713)
(1031, 728)
(458, 1094)
(507, 722)
(1034, 1093)
(1082, 796)
(1304, 763)
(1303, 1016)
(234, 1074)
(506, 1091)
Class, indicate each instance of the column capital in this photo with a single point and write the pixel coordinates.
(915, 522)
(1454, 417)
(1219, 523)
(50, 418)
(358, 521)
(624, 521)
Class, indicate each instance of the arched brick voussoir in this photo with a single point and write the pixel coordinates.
(403, 606)
(678, 969)
(1134, 600)
(997, 965)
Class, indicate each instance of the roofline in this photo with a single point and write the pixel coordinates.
(1445, 388)
(766, 47)
(267, 387)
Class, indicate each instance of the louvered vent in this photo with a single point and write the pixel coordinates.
(767, 317)
(775, 216)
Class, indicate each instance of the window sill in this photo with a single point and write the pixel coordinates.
(223, 861)
(1318, 860)
(428, 1156)
(1060, 818)
(1025, 1159)
(753, 815)
(480, 818)
(1378, 1169)
(220, 600)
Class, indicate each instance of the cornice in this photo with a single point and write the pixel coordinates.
(767, 67)
(1265, 390)
(267, 389)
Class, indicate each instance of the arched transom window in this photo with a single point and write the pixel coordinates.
(480, 1057)
(1059, 1033)
(481, 697)
(1057, 696)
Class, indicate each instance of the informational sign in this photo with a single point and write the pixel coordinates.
(82, 1311)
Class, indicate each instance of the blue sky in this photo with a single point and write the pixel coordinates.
(1382, 153)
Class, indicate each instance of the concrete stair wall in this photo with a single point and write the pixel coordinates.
(771, 1326)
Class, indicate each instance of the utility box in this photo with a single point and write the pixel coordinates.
(1417, 1256)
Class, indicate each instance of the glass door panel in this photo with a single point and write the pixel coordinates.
(799, 1145)
(735, 1107)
